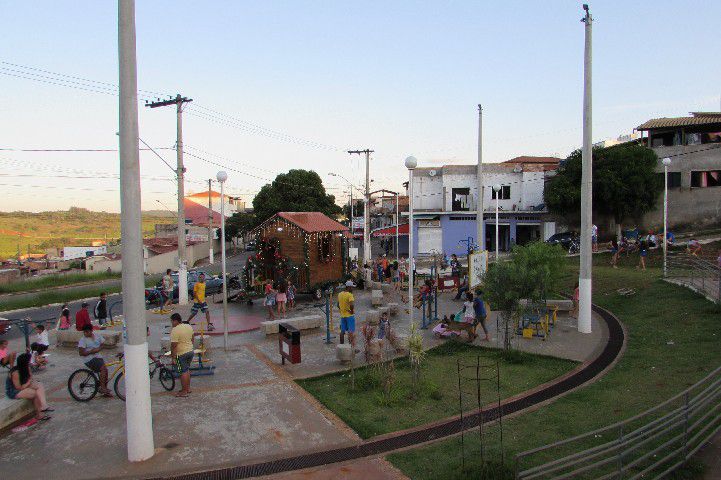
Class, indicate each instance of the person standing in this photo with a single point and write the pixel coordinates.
(642, 252)
(181, 349)
(290, 293)
(199, 303)
(82, 318)
(101, 309)
(168, 288)
(479, 309)
(594, 237)
(281, 298)
(576, 297)
(455, 266)
(269, 301)
(379, 268)
(346, 305)
(614, 253)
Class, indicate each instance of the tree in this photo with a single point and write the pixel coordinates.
(625, 183)
(239, 224)
(357, 209)
(295, 191)
(532, 272)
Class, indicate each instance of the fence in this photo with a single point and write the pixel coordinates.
(649, 445)
(696, 273)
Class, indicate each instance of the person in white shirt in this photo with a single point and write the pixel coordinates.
(41, 338)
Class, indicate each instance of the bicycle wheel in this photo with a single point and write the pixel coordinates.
(83, 385)
(119, 386)
(166, 379)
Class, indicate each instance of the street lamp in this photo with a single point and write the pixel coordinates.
(497, 188)
(222, 177)
(411, 164)
(666, 162)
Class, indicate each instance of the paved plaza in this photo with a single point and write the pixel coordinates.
(251, 410)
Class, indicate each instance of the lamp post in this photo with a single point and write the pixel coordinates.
(411, 164)
(496, 189)
(222, 177)
(666, 162)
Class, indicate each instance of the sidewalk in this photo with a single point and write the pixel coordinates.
(251, 410)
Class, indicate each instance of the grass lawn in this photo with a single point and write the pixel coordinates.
(369, 413)
(49, 281)
(673, 342)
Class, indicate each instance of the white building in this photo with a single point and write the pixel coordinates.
(72, 253)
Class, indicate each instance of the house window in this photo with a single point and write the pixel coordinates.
(504, 193)
(325, 247)
(460, 199)
(708, 178)
(462, 218)
(674, 179)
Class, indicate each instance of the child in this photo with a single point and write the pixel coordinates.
(469, 315)
(7, 358)
(642, 252)
(384, 326)
(290, 293)
(41, 338)
(64, 320)
(37, 358)
(576, 295)
(396, 271)
(269, 299)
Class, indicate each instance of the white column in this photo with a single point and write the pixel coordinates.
(411, 163)
(397, 220)
(666, 163)
(182, 265)
(222, 177)
(480, 233)
(138, 415)
(585, 274)
(366, 213)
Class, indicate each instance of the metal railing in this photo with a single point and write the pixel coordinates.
(649, 445)
(696, 273)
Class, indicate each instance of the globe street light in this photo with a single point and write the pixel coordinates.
(411, 164)
(222, 177)
(496, 189)
(666, 162)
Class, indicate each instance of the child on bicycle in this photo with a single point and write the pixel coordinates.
(89, 347)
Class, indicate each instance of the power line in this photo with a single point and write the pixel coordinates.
(67, 150)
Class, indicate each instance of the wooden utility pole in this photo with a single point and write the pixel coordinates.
(178, 101)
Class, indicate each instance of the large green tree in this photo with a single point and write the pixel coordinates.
(295, 191)
(625, 183)
(239, 224)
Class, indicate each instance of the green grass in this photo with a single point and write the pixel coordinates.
(50, 281)
(369, 413)
(650, 371)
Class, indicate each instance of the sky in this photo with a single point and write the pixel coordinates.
(294, 84)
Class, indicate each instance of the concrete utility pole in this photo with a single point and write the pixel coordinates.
(366, 207)
(480, 233)
(138, 415)
(178, 101)
(584, 280)
(210, 221)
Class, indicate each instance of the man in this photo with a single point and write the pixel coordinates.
(168, 287)
(89, 347)
(480, 313)
(199, 303)
(101, 309)
(346, 305)
(379, 268)
(82, 318)
(594, 238)
(181, 349)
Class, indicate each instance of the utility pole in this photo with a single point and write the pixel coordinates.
(480, 231)
(584, 280)
(210, 221)
(138, 415)
(366, 207)
(178, 101)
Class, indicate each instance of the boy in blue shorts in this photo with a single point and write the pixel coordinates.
(199, 303)
(346, 304)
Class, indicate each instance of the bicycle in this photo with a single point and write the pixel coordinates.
(84, 384)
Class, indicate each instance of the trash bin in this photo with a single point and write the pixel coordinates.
(288, 343)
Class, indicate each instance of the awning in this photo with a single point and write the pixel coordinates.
(390, 231)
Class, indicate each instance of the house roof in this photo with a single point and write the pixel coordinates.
(164, 244)
(312, 222)
(390, 231)
(526, 159)
(696, 118)
(204, 195)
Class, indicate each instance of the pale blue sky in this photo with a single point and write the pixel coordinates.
(399, 77)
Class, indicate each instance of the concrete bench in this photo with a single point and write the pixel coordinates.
(373, 317)
(387, 288)
(301, 323)
(12, 411)
(377, 298)
(393, 309)
(344, 353)
(71, 337)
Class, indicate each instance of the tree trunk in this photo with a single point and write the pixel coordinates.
(618, 231)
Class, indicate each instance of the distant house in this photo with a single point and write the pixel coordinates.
(196, 207)
(72, 253)
(693, 144)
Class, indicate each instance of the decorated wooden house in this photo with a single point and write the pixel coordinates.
(307, 248)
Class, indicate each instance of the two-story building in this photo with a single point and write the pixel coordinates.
(445, 199)
(693, 144)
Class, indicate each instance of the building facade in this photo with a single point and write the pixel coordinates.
(445, 199)
(693, 144)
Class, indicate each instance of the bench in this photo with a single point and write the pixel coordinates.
(71, 337)
(12, 411)
(270, 327)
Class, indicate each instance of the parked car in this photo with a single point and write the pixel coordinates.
(213, 285)
(565, 239)
(250, 246)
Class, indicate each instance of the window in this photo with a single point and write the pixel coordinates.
(504, 192)
(463, 218)
(709, 178)
(460, 199)
(325, 247)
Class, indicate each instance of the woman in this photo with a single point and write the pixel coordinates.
(64, 320)
(281, 297)
(642, 252)
(20, 385)
(614, 253)
(396, 276)
(269, 299)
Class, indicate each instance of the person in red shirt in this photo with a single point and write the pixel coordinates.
(82, 318)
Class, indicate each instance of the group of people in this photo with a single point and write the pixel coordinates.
(387, 271)
(279, 297)
(82, 316)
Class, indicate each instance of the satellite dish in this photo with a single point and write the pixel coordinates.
(432, 173)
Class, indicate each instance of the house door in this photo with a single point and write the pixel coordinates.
(430, 240)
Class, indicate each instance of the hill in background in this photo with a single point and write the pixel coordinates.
(36, 232)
